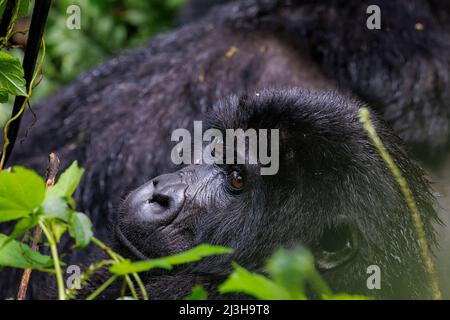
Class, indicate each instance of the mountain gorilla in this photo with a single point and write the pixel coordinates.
(302, 67)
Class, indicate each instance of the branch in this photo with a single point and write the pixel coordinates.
(52, 171)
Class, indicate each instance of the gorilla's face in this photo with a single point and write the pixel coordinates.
(220, 204)
(231, 205)
(332, 193)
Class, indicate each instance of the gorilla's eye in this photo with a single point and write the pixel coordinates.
(236, 180)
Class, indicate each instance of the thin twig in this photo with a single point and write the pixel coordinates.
(52, 171)
(407, 194)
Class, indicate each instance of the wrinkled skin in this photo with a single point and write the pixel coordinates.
(332, 191)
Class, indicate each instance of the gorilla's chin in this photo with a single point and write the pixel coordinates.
(137, 240)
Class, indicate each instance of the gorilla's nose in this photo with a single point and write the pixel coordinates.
(160, 199)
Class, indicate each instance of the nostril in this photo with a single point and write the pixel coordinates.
(161, 199)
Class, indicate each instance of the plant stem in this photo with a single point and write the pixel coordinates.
(52, 171)
(18, 114)
(407, 194)
(140, 285)
(131, 286)
(85, 276)
(105, 248)
(54, 251)
(102, 288)
(117, 258)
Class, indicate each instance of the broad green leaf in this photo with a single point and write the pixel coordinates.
(55, 207)
(58, 229)
(81, 229)
(11, 75)
(23, 8)
(68, 182)
(21, 193)
(126, 266)
(295, 268)
(256, 285)
(198, 293)
(2, 6)
(17, 255)
(3, 95)
(195, 254)
(22, 226)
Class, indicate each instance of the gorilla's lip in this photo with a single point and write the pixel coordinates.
(129, 245)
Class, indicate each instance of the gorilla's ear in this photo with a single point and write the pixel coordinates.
(338, 245)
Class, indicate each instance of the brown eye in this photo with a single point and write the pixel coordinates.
(236, 180)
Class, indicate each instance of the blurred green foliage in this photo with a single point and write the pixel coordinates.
(107, 27)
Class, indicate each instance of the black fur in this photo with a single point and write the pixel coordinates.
(116, 120)
(325, 155)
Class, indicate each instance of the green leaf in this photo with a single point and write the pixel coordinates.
(3, 95)
(126, 266)
(21, 193)
(17, 255)
(58, 199)
(81, 229)
(195, 254)
(68, 182)
(2, 7)
(295, 268)
(55, 207)
(254, 285)
(58, 229)
(11, 75)
(23, 8)
(198, 293)
(22, 226)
